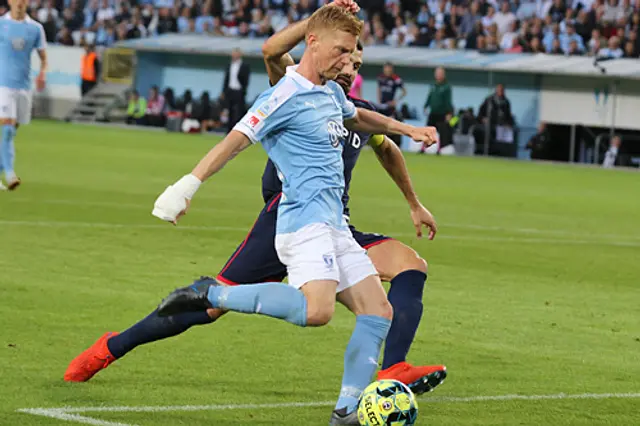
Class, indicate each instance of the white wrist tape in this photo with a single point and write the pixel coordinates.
(174, 199)
(187, 186)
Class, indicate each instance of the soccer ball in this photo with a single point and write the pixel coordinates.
(387, 403)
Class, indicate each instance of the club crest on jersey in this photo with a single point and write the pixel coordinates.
(336, 132)
(18, 43)
(267, 108)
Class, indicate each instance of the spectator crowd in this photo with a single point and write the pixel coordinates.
(603, 28)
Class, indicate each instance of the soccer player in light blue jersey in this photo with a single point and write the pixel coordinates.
(19, 36)
(300, 122)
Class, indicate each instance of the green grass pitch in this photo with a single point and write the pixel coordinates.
(533, 288)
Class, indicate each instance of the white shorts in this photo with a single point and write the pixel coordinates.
(15, 104)
(320, 252)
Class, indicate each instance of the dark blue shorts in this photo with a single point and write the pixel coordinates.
(256, 261)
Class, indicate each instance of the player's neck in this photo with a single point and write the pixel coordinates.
(307, 69)
(17, 15)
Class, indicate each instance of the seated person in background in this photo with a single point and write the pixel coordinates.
(136, 109)
(169, 101)
(154, 115)
(186, 105)
(205, 112)
(539, 143)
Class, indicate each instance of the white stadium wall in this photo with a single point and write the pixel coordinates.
(590, 102)
(63, 82)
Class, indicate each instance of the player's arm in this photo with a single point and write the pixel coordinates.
(174, 201)
(275, 51)
(44, 63)
(391, 158)
(41, 46)
(373, 123)
(233, 144)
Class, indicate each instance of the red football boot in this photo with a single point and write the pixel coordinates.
(419, 379)
(88, 363)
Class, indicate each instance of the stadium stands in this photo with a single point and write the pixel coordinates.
(605, 28)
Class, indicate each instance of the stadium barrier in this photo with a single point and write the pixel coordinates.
(572, 91)
(63, 82)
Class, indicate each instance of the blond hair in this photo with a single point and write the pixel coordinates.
(336, 19)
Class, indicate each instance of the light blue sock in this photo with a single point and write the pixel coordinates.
(7, 151)
(272, 299)
(361, 358)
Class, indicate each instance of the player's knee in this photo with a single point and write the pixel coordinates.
(413, 263)
(319, 315)
(421, 265)
(7, 121)
(385, 310)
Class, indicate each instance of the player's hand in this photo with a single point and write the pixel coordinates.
(428, 135)
(423, 217)
(350, 5)
(41, 82)
(171, 205)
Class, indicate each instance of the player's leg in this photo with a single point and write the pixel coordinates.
(309, 256)
(8, 121)
(255, 260)
(361, 291)
(406, 271)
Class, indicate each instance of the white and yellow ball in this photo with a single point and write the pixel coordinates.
(387, 403)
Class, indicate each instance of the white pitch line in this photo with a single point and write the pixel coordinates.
(68, 413)
(99, 225)
(61, 414)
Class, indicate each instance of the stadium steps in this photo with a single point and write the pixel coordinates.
(103, 103)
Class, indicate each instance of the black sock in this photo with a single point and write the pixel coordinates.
(153, 328)
(405, 295)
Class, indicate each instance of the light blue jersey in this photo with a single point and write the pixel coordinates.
(300, 125)
(17, 41)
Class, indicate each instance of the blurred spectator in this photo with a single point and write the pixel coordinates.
(47, 11)
(470, 19)
(64, 37)
(185, 105)
(505, 17)
(516, 47)
(89, 69)
(136, 109)
(169, 101)
(487, 26)
(154, 114)
(573, 49)
(105, 12)
(236, 82)
(630, 50)
(388, 85)
(612, 153)
(496, 109)
(557, 11)
(568, 37)
(489, 18)
(612, 51)
(439, 106)
(507, 39)
(539, 143)
(550, 36)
